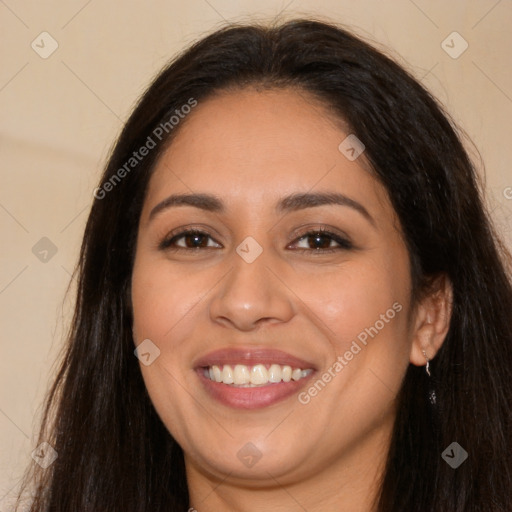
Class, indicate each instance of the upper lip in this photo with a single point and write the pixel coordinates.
(251, 357)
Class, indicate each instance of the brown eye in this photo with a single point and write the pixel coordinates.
(188, 240)
(322, 241)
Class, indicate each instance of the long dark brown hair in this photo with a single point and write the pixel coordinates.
(115, 454)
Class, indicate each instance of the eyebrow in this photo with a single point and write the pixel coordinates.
(293, 202)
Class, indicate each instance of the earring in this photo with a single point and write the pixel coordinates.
(431, 394)
(427, 369)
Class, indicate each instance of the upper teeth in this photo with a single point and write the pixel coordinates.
(250, 376)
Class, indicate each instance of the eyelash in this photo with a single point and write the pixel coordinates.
(344, 244)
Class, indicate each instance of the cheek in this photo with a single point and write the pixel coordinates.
(161, 299)
(362, 309)
(165, 306)
(356, 298)
(363, 312)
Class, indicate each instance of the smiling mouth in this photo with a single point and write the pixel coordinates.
(252, 377)
(258, 375)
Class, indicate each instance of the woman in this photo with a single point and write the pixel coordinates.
(291, 236)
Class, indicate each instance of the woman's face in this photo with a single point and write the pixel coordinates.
(314, 327)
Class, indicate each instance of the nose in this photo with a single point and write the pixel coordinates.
(250, 295)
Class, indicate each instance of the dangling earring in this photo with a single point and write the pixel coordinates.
(431, 394)
(427, 369)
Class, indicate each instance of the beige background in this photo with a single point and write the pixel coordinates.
(60, 115)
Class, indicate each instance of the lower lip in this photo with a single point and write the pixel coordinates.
(252, 398)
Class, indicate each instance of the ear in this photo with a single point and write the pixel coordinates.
(431, 320)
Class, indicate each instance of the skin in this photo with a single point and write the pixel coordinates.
(250, 148)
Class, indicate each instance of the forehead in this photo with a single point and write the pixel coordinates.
(255, 146)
